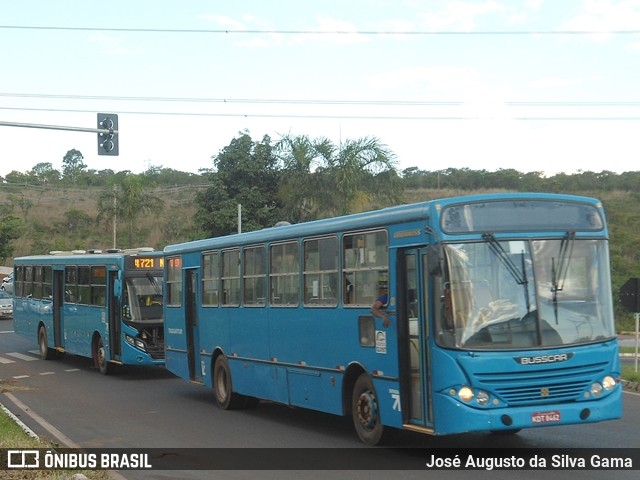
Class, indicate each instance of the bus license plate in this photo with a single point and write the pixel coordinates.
(552, 416)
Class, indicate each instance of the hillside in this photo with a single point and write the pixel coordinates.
(66, 218)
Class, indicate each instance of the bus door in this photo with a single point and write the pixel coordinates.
(412, 314)
(191, 325)
(114, 311)
(58, 303)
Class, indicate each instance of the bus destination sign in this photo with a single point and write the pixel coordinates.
(147, 263)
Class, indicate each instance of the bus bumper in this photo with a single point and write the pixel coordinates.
(453, 416)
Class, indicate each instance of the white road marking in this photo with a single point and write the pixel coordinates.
(21, 356)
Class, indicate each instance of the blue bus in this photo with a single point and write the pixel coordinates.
(500, 310)
(103, 305)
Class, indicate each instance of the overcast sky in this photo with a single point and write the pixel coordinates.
(534, 85)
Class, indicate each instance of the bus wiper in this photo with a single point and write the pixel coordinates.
(154, 283)
(520, 276)
(499, 252)
(559, 273)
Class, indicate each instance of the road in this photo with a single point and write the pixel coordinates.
(150, 408)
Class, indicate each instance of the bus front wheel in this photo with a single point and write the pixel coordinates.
(101, 358)
(365, 411)
(46, 353)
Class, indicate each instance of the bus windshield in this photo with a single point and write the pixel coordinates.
(144, 296)
(525, 294)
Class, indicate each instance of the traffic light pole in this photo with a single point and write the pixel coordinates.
(107, 131)
(57, 127)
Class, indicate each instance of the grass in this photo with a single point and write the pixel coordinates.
(12, 436)
(628, 371)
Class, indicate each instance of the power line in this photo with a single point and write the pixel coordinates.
(337, 116)
(283, 101)
(323, 32)
(230, 100)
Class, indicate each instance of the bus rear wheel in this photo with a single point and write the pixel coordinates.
(365, 411)
(46, 353)
(226, 399)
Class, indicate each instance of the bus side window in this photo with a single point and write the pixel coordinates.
(365, 266)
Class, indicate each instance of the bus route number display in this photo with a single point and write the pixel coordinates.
(147, 263)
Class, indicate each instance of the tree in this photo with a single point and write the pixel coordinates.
(10, 226)
(73, 165)
(126, 201)
(301, 184)
(246, 173)
(321, 179)
(45, 173)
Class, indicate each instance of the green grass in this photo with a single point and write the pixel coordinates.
(629, 373)
(12, 436)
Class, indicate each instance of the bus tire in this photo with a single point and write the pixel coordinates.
(226, 399)
(101, 358)
(46, 353)
(365, 411)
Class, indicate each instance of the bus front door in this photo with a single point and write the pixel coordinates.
(413, 296)
(58, 303)
(191, 324)
(114, 312)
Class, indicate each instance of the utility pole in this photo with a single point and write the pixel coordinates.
(115, 216)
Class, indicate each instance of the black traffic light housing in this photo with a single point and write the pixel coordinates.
(108, 141)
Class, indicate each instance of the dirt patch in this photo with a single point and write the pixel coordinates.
(11, 385)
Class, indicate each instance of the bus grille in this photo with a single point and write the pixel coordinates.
(156, 351)
(542, 386)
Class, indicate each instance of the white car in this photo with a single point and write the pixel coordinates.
(7, 284)
(6, 304)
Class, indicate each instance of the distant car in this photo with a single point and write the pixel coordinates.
(7, 284)
(6, 304)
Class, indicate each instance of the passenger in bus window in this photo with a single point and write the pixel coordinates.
(380, 305)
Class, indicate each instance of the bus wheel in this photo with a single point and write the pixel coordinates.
(222, 386)
(101, 358)
(46, 353)
(366, 412)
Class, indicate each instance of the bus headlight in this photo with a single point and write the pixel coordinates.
(608, 382)
(482, 398)
(596, 389)
(465, 394)
(135, 342)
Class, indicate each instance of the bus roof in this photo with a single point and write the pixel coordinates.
(89, 257)
(357, 221)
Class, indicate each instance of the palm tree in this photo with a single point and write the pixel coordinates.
(321, 179)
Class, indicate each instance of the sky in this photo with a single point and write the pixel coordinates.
(534, 85)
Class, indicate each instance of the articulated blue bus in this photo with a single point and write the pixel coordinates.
(105, 306)
(500, 311)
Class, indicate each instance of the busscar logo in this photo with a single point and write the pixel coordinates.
(537, 359)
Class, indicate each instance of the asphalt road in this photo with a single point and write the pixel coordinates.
(67, 400)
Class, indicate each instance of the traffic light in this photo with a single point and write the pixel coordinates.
(108, 141)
